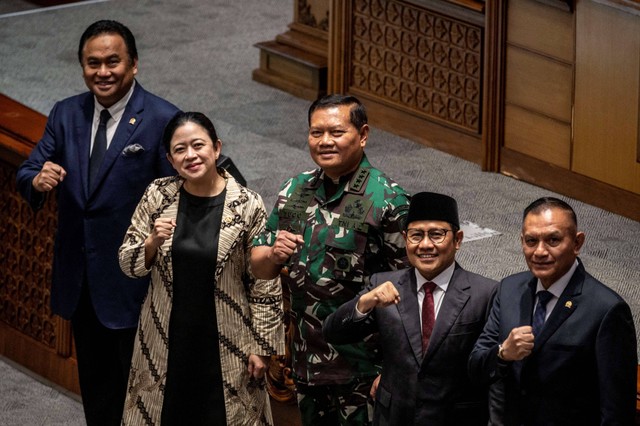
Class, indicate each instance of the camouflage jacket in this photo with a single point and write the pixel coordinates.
(348, 237)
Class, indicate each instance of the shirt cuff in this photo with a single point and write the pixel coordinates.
(359, 316)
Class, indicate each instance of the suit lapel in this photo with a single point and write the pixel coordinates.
(409, 313)
(567, 304)
(129, 122)
(527, 297)
(83, 137)
(455, 298)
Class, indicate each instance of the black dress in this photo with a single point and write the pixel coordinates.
(193, 394)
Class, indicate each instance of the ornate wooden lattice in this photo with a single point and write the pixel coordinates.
(418, 60)
(25, 262)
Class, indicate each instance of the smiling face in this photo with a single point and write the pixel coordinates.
(334, 142)
(107, 69)
(550, 243)
(193, 154)
(428, 258)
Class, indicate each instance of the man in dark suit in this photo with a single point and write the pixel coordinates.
(563, 342)
(100, 165)
(428, 317)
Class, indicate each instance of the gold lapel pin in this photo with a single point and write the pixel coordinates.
(228, 219)
(568, 304)
(132, 121)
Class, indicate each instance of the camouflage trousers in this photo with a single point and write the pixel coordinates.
(332, 405)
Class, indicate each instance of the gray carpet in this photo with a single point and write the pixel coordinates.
(199, 55)
(25, 401)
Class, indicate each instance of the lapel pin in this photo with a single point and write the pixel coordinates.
(228, 219)
(132, 121)
(568, 304)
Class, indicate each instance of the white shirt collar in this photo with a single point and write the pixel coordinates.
(442, 280)
(116, 110)
(558, 287)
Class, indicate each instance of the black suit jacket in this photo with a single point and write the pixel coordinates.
(434, 389)
(92, 224)
(582, 370)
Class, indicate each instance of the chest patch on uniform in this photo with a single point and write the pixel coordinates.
(354, 213)
(296, 205)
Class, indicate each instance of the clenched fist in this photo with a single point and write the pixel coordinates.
(49, 177)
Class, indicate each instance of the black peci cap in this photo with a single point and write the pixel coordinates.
(433, 206)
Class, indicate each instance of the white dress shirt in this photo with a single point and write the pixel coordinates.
(556, 289)
(116, 110)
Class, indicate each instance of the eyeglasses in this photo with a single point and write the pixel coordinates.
(437, 236)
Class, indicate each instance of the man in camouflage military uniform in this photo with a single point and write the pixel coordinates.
(331, 228)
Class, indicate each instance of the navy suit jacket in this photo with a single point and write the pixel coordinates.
(92, 225)
(414, 389)
(582, 370)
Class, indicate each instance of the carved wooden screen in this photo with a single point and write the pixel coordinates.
(417, 61)
(25, 261)
(29, 334)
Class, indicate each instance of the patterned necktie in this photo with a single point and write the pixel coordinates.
(99, 147)
(428, 314)
(540, 312)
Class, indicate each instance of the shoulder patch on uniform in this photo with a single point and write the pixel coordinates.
(359, 179)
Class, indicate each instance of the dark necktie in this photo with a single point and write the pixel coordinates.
(541, 312)
(99, 147)
(428, 314)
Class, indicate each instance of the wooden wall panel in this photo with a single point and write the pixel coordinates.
(607, 95)
(537, 136)
(528, 19)
(572, 126)
(539, 84)
(539, 81)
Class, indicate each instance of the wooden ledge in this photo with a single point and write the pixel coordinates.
(566, 182)
(20, 130)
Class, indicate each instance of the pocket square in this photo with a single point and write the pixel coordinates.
(134, 149)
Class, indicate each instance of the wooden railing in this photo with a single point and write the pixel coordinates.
(29, 333)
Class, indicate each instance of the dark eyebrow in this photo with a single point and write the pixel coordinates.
(108, 58)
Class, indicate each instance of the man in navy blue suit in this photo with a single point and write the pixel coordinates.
(100, 150)
(563, 343)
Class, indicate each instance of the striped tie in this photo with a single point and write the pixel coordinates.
(540, 312)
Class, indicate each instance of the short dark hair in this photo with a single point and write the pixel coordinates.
(545, 203)
(357, 115)
(109, 27)
(182, 118)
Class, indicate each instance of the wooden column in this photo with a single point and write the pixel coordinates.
(494, 84)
